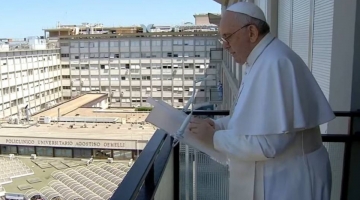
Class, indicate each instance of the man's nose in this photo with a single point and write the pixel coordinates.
(226, 45)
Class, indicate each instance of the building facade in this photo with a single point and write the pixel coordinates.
(129, 63)
(29, 77)
(132, 67)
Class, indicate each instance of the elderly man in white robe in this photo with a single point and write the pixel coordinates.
(272, 138)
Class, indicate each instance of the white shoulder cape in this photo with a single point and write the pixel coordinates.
(279, 95)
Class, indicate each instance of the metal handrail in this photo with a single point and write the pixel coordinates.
(143, 172)
(142, 180)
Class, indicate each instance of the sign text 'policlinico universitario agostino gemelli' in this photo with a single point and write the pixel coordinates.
(74, 143)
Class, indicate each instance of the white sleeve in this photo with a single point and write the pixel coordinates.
(251, 148)
(221, 123)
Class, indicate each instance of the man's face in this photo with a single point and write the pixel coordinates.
(237, 38)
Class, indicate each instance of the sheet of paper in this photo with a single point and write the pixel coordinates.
(169, 119)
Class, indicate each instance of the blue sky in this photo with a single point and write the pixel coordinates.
(22, 18)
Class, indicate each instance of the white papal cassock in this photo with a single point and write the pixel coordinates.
(272, 138)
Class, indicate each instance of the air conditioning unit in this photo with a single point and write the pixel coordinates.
(110, 160)
(33, 156)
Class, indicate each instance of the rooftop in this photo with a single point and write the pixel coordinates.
(71, 130)
(131, 35)
(205, 14)
(43, 173)
(71, 105)
(27, 44)
(100, 26)
(81, 126)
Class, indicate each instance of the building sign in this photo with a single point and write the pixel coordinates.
(73, 143)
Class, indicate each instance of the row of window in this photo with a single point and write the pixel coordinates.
(28, 59)
(195, 54)
(134, 77)
(27, 85)
(136, 101)
(134, 65)
(141, 66)
(145, 88)
(124, 100)
(67, 152)
(28, 72)
(144, 43)
(30, 98)
(179, 92)
(137, 72)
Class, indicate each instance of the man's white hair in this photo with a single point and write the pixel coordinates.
(244, 19)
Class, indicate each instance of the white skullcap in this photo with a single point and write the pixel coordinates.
(248, 8)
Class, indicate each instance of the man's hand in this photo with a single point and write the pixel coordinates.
(211, 122)
(203, 130)
(208, 120)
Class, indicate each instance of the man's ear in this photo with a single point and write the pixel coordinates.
(253, 33)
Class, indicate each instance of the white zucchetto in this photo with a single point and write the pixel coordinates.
(248, 8)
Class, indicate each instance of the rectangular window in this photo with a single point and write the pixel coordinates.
(8, 149)
(74, 44)
(135, 55)
(84, 44)
(64, 44)
(166, 43)
(199, 42)
(122, 155)
(24, 150)
(93, 44)
(188, 42)
(211, 42)
(145, 43)
(178, 42)
(124, 43)
(156, 43)
(125, 55)
(82, 153)
(104, 44)
(135, 43)
(45, 151)
(114, 44)
(60, 152)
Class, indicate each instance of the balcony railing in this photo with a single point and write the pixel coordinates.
(163, 172)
